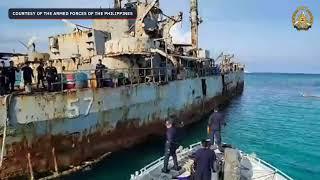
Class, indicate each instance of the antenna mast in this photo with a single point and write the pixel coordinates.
(117, 3)
(195, 21)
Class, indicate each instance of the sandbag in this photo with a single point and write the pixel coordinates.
(232, 166)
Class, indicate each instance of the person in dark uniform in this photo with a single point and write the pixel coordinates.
(11, 73)
(171, 146)
(2, 80)
(51, 75)
(100, 68)
(27, 74)
(216, 120)
(204, 161)
(40, 71)
(6, 78)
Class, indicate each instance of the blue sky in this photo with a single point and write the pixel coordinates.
(259, 33)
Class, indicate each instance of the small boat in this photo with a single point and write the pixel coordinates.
(231, 164)
(309, 95)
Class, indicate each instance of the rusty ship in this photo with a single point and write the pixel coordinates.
(148, 78)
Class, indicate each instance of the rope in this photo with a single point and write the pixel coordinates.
(267, 175)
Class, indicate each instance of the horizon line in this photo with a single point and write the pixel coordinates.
(304, 73)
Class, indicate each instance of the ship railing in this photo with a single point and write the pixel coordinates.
(79, 79)
(268, 165)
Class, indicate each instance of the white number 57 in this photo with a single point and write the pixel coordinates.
(73, 110)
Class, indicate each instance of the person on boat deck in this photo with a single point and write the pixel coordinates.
(204, 161)
(171, 146)
(27, 74)
(11, 73)
(216, 120)
(99, 73)
(51, 75)
(40, 77)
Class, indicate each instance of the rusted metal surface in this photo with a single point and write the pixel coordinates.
(114, 118)
(129, 45)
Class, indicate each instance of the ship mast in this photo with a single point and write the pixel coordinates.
(195, 21)
(117, 3)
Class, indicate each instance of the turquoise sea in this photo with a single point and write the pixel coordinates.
(270, 119)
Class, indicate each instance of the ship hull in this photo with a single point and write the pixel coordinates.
(62, 129)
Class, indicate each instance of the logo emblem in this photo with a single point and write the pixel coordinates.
(302, 18)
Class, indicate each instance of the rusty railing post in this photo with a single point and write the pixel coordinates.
(55, 161)
(138, 76)
(30, 167)
(131, 76)
(3, 141)
(61, 80)
(159, 70)
(144, 75)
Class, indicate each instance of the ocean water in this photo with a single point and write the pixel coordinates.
(270, 119)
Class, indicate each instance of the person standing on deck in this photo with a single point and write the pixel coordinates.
(216, 120)
(171, 146)
(100, 68)
(40, 71)
(204, 161)
(27, 74)
(6, 78)
(2, 81)
(11, 73)
(51, 75)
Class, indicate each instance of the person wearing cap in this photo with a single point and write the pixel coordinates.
(51, 75)
(216, 120)
(100, 68)
(204, 161)
(171, 146)
(11, 73)
(27, 74)
(40, 77)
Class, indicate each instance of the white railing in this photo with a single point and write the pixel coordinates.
(181, 152)
(268, 165)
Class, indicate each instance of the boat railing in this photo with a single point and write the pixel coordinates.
(268, 165)
(182, 152)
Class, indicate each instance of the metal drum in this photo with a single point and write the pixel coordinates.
(108, 83)
(70, 81)
(81, 80)
(92, 80)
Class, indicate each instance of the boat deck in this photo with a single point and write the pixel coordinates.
(250, 167)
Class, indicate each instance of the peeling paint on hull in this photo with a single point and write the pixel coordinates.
(118, 118)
